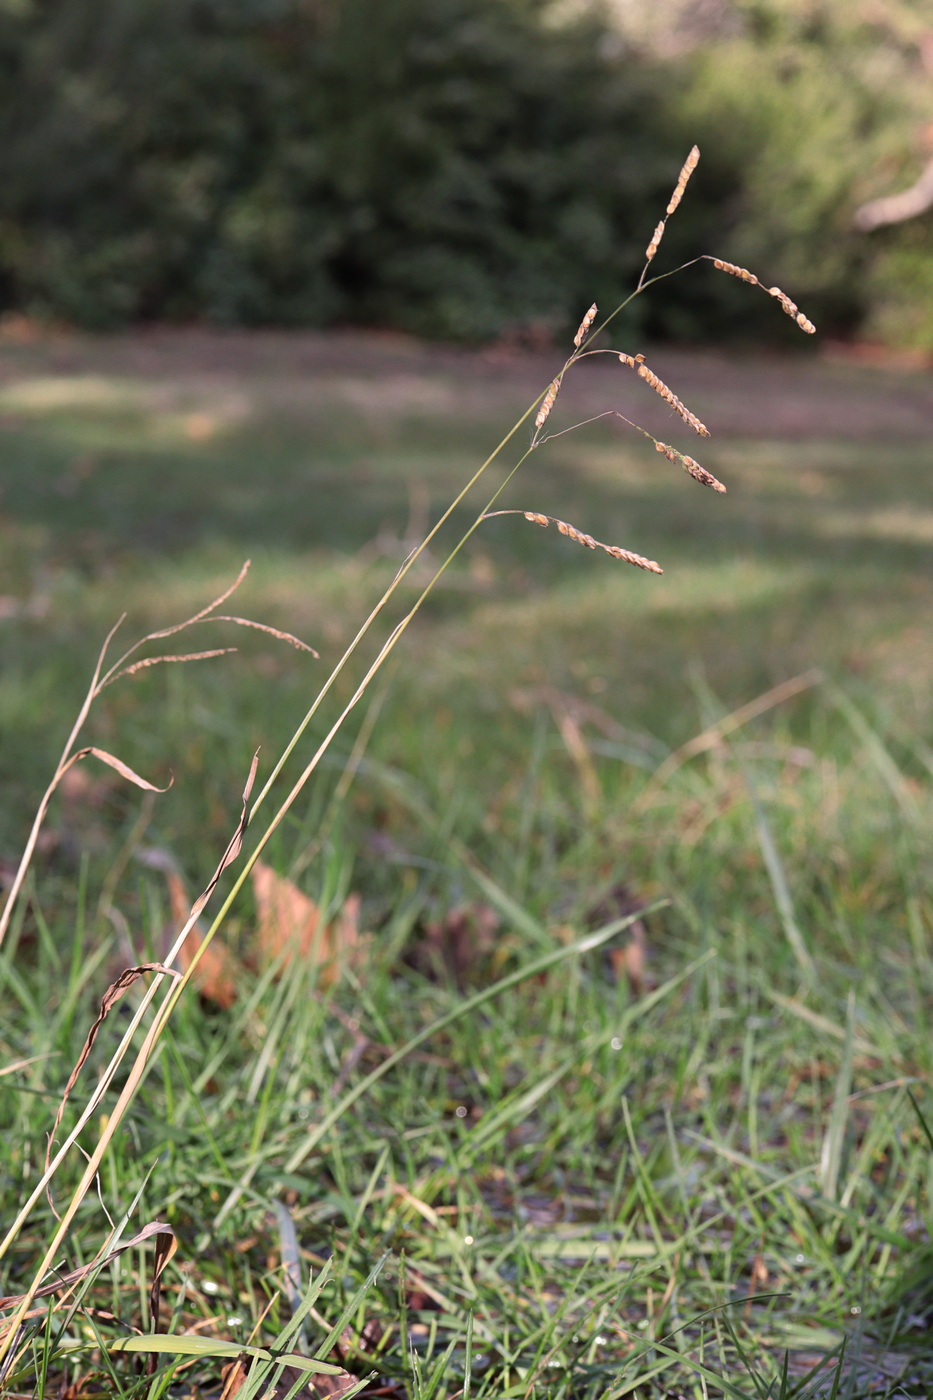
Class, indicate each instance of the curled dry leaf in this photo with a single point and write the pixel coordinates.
(111, 996)
(66, 1281)
(289, 927)
(118, 765)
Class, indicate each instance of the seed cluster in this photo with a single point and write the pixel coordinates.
(580, 537)
(637, 362)
(735, 271)
(790, 307)
(691, 467)
(656, 237)
(687, 169)
(690, 164)
(547, 403)
(585, 324)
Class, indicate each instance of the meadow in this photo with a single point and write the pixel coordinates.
(693, 1159)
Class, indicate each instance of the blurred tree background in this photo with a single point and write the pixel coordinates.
(466, 169)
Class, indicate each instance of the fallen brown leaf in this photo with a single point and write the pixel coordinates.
(289, 928)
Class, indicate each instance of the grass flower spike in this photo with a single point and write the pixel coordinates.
(584, 327)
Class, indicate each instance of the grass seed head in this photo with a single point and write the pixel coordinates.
(787, 305)
(666, 394)
(691, 467)
(701, 475)
(735, 271)
(581, 537)
(584, 328)
(547, 404)
(652, 247)
(689, 165)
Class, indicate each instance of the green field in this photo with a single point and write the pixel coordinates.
(557, 739)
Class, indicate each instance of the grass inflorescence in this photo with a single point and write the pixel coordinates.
(498, 1155)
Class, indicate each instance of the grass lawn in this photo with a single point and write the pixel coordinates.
(692, 1160)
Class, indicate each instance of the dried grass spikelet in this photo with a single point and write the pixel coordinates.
(735, 271)
(687, 169)
(547, 404)
(691, 467)
(637, 362)
(580, 537)
(787, 305)
(689, 165)
(656, 237)
(792, 310)
(584, 328)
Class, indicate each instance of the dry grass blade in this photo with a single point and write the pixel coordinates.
(66, 1281)
(116, 764)
(111, 996)
(580, 537)
(127, 1093)
(712, 737)
(165, 1246)
(24, 1064)
(219, 974)
(99, 681)
(42, 809)
(234, 846)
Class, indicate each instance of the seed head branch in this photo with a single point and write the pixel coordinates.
(581, 537)
(637, 362)
(788, 306)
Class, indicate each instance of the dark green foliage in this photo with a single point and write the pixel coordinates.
(452, 167)
(456, 168)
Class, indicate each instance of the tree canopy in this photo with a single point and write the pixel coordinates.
(458, 168)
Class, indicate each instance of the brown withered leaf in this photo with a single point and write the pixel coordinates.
(117, 765)
(111, 996)
(67, 1281)
(219, 974)
(289, 927)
